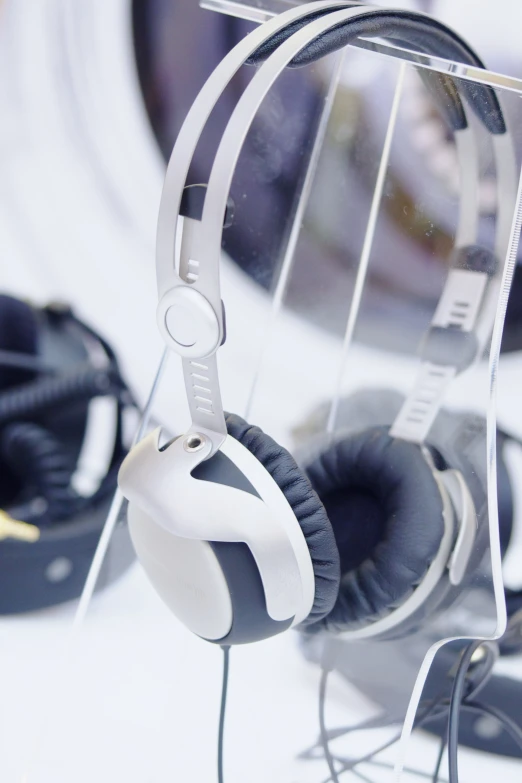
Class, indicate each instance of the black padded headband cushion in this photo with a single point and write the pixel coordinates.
(387, 515)
(408, 29)
(18, 333)
(306, 506)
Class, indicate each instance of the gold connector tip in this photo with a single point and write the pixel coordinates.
(15, 528)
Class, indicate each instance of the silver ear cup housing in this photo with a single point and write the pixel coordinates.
(217, 538)
(186, 575)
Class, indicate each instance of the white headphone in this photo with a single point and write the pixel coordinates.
(238, 540)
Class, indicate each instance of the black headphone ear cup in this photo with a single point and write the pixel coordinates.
(307, 507)
(18, 333)
(386, 511)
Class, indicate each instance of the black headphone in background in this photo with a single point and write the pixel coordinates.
(52, 367)
(238, 540)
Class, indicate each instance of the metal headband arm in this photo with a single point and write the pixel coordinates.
(228, 152)
(207, 241)
(461, 314)
(195, 122)
(463, 321)
(190, 314)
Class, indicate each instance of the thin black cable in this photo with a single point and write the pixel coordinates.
(222, 710)
(440, 756)
(434, 709)
(361, 776)
(491, 655)
(322, 726)
(348, 765)
(456, 700)
(513, 729)
(431, 713)
(382, 721)
(419, 773)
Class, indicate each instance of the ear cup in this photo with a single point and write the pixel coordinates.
(305, 504)
(386, 511)
(18, 333)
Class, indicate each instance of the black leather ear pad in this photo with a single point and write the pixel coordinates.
(18, 333)
(386, 512)
(305, 504)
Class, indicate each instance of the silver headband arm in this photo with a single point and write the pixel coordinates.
(190, 314)
(208, 239)
(464, 318)
(462, 287)
(195, 122)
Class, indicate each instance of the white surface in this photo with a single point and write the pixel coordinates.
(140, 702)
(134, 697)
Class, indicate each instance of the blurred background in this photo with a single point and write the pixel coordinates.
(92, 96)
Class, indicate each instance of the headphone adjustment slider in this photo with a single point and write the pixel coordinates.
(188, 323)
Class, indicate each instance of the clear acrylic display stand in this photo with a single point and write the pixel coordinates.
(136, 696)
(253, 10)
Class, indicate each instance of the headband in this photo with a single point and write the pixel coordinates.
(190, 313)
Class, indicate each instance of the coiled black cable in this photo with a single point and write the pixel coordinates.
(37, 465)
(23, 401)
(39, 461)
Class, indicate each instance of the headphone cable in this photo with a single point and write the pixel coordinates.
(456, 700)
(24, 361)
(507, 723)
(438, 763)
(436, 708)
(322, 725)
(222, 710)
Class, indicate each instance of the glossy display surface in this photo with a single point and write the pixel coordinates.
(253, 10)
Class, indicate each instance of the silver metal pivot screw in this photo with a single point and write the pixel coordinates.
(194, 442)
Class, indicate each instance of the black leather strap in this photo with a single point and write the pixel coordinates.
(53, 569)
